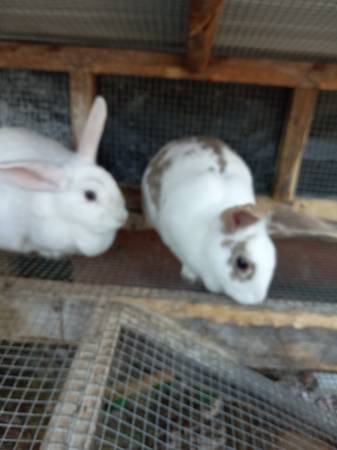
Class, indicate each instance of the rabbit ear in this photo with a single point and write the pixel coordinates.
(33, 175)
(236, 219)
(93, 130)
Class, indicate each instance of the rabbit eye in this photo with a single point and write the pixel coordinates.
(242, 263)
(90, 196)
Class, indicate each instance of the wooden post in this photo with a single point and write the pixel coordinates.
(293, 142)
(203, 22)
(82, 92)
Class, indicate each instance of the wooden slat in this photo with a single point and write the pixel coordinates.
(153, 64)
(293, 142)
(82, 92)
(203, 22)
(277, 335)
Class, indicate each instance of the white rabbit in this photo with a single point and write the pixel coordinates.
(198, 194)
(54, 201)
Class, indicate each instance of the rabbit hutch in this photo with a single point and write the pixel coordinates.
(118, 351)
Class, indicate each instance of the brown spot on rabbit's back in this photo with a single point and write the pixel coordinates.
(159, 164)
(157, 167)
(215, 146)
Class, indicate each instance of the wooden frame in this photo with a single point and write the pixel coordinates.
(287, 335)
(293, 142)
(203, 21)
(84, 63)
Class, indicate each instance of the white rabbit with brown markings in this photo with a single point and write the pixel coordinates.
(198, 194)
(54, 201)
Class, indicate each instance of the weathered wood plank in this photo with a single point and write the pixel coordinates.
(280, 335)
(293, 142)
(82, 93)
(164, 65)
(265, 347)
(202, 27)
(188, 304)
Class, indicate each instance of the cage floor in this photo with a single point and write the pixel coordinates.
(306, 271)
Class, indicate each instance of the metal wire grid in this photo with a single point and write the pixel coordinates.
(319, 168)
(36, 100)
(144, 24)
(138, 381)
(146, 113)
(39, 336)
(291, 29)
(306, 268)
(31, 379)
(164, 392)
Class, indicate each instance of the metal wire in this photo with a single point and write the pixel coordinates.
(160, 388)
(147, 113)
(291, 29)
(305, 271)
(319, 167)
(122, 23)
(31, 379)
(158, 396)
(36, 100)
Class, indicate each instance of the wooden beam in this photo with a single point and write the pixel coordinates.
(278, 335)
(105, 61)
(293, 142)
(202, 27)
(82, 93)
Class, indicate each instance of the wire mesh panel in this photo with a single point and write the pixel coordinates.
(31, 379)
(291, 29)
(36, 100)
(91, 374)
(166, 391)
(127, 23)
(319, 167)
(147, 113)
(306, 269)
(38, 341)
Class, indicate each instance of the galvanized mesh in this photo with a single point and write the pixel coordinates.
(36, 100)
(122, 23)
(31, 379)
(38, 342)
(290, 29)
(319, 168)
(127, 379)
(306, 268)
(165, 390)
(147, 113)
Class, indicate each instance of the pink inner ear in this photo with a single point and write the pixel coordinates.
(244, 218)
(237, 219)
(32, 175)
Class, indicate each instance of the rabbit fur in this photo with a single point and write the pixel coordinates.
(54, 201)
(198, 194)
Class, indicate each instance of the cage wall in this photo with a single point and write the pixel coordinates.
(145, 113)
